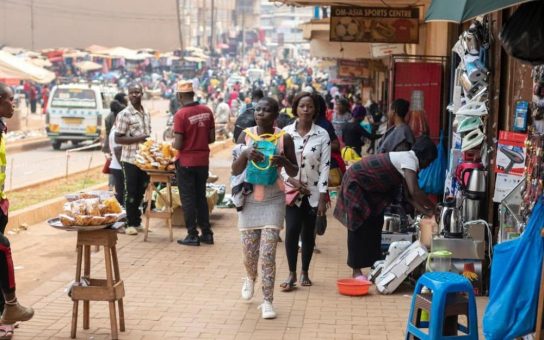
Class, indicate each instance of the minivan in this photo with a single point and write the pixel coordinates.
(75, 113)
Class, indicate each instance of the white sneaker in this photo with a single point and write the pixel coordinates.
(131, 231)
(267, 310)
(247, 288)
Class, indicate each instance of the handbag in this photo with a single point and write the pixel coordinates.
(106, 167)
(292, 193)
(263, 173)
(321, 225)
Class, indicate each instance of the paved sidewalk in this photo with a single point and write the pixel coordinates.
(194, 292)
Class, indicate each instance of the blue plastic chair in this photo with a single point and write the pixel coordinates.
(441, 284)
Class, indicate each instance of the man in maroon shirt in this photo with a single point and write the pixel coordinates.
(194, 129)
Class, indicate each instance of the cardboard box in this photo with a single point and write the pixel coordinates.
(511, 153)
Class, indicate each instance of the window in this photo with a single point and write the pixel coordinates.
(74, 98)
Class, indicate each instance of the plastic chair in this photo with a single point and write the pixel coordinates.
(447, 300)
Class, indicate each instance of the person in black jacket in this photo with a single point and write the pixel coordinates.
(246, 119)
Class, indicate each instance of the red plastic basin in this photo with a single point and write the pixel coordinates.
(353, 287)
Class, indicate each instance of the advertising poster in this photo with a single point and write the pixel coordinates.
(353, 69)
(375, 24)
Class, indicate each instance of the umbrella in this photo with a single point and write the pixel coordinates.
(463, 10)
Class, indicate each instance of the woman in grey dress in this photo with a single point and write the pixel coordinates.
(261, 216)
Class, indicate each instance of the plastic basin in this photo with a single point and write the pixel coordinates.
(353, 287)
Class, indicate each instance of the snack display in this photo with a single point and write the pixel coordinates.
(153, 155)
(90, 211)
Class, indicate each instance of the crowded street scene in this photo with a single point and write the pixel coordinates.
(272, 169)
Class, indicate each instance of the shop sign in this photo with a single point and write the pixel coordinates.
(375, 24)
(384, 50)
(353, 69)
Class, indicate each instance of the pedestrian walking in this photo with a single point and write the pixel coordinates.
(194, 130)
(118, 104)
(45, 98)
(133, 127)
(261, 216)
(341, 116)
(368, 187)
(313, 154)
(116, 170)
(246, 118)
(11, 310)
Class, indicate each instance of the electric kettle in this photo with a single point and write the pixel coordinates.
(449, 220)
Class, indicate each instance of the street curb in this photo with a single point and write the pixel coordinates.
(24, 145)
(51, 208)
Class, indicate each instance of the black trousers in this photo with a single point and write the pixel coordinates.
(364, 244)
(192, 192)
(136, 182)
(7, 274)
(119, 184)
(300, 223)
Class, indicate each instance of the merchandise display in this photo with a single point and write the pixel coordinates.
(153, 155)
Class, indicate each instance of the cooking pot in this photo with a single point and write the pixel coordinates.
(391, 223)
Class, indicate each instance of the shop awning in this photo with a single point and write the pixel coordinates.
(16, 67)
(463, 10)
(87, 65)
(379, 3)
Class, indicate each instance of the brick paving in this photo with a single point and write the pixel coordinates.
(177, 292)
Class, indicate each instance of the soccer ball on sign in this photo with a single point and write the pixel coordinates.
(347, 29)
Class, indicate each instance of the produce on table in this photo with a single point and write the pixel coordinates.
(153, 155)
(90, 212)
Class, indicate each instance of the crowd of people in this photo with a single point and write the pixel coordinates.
(295, 138)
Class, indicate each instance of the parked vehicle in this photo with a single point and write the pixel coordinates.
(75, 113)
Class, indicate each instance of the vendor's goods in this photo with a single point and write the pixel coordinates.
(473, 140)
(449, 219)
(469, 124)
(394, 274)
(152, 155)
(90, 212)
(439, 261)
(353, 287)
(472, 109)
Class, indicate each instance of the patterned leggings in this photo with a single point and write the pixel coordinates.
(261, 242)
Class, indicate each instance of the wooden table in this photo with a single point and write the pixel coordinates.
(159, 177)
(111, 289)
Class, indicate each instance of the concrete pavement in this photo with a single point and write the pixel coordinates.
(177, 292)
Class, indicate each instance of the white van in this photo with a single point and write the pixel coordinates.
(75, 112)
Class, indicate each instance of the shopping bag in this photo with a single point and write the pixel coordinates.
(106, 166)
(522, 36)
(431, 179)
(515, 282)
(263, 172)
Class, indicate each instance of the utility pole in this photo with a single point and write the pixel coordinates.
(180, 30)
(32, 24)
(212, 29)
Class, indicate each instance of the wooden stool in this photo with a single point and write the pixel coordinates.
(111, 289)
(162, 177)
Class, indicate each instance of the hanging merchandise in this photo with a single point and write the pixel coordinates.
(522, 36)
(431, 179)
(521, 115)
(515, 283)
(472, 109)
(473, 140)
(534, 166)
(469, 124)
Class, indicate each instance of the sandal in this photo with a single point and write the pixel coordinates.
(6, 332)
(289, 284)
(305, 280)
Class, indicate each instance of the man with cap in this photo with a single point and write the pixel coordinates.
(194, 130)
(132, 127)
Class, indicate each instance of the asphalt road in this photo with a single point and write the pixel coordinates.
(42, 164)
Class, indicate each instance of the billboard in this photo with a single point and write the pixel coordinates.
(375, 24)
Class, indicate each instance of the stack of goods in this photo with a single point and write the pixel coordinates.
(469, 109)
(156, 156)
(91, 211)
